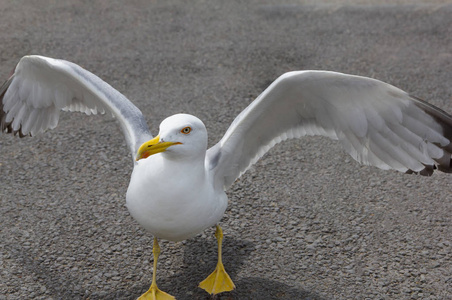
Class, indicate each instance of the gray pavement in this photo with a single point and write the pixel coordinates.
(306, 222)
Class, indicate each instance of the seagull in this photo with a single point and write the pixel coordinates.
(177, 187)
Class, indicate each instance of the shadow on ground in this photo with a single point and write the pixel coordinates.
(200, 258)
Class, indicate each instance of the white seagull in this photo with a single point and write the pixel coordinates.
(177, 188)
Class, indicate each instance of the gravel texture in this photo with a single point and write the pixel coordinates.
(306, 222)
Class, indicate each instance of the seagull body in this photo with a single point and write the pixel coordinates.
(186, 204)
(177, 188)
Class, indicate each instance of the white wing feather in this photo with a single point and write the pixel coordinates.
(40, 88)
(377, 124)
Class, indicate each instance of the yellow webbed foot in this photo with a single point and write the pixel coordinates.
(154, 293)
(217, 282)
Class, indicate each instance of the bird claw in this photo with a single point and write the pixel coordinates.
(154, 293)
(217, 282)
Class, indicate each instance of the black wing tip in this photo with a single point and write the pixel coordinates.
(6, 126)
(429, 169)
(442, 164)
(444, 119)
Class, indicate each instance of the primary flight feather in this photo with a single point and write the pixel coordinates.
(177, 188)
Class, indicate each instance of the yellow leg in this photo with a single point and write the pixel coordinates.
(219, 281)
(154, 293)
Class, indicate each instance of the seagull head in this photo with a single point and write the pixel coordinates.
(180, 135)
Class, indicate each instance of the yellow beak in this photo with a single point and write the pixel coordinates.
(152, 147)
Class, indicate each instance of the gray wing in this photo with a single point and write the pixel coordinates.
(377, 124)
(40, 88)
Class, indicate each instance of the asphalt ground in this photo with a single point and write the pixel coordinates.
(306, 222)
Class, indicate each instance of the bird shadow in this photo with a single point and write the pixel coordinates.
(200, 258)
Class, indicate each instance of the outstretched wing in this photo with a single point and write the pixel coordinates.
(40, 88)
(377, 124)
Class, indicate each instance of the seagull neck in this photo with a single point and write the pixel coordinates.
(189, 161)
(193, 167)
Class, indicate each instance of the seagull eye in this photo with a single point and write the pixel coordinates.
(186, 130)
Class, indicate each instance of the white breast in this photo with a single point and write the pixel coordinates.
(173, 200)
